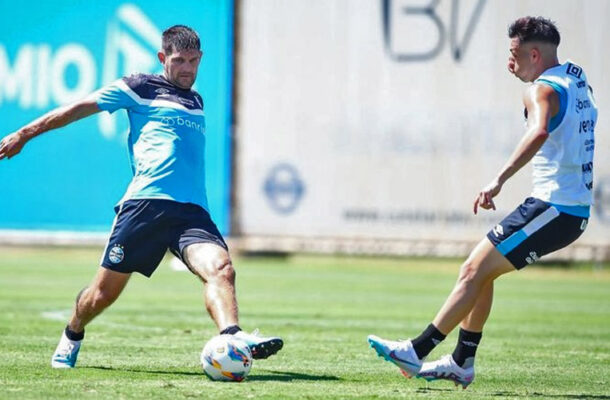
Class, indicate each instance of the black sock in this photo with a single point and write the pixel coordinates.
(230, 330)
(76, 336)
(466, 348)
(427, 341)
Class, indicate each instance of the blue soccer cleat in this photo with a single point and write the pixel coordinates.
(400, 353)
(66, 353)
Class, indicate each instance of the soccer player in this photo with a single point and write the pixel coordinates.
(561, 116)
(165, 205)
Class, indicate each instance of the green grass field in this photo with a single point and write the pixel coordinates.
(548, 336)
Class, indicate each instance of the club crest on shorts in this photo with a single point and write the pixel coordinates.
(116, 254)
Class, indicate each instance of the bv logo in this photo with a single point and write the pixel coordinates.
(284, 188)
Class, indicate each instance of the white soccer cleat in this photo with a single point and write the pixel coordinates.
(401, 353)
(261, 347)
(66, 353)
(446, 368)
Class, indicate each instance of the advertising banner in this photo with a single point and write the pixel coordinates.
(56, 52)
(383, 119)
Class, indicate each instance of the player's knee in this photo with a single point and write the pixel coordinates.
(470, 273)
(211, 263)
(221, 268)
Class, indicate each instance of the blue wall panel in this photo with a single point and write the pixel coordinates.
(59, 51)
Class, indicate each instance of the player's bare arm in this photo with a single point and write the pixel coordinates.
(12, 144)
(541, 103)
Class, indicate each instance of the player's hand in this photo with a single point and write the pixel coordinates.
(11, 145)
(485, 197)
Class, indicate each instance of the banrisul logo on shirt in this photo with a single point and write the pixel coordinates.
(186, 122)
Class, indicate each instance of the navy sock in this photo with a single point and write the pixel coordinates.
(76, 336)
(427, 341)
(230, 330)
(466, 348)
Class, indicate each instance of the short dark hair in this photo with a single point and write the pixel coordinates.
(178, 38)
(530, 29)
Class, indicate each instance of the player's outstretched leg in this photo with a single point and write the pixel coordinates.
(90, 302)
(458, 367)
(213, 265)
(483, 265)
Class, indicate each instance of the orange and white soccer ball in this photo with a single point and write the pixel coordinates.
(226, 358)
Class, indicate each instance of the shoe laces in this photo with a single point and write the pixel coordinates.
(445, 361)
(403, 344)
(66, 351)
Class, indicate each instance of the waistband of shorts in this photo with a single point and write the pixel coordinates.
(577, 211)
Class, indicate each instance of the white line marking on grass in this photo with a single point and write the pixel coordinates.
(59, 315)
(64, 316)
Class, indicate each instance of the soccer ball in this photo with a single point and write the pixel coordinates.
(226, 358)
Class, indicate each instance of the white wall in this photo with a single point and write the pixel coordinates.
(384, 148)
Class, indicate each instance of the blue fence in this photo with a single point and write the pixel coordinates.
(55, 52)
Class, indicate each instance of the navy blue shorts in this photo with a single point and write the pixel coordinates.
(144, 229)
(534, 229)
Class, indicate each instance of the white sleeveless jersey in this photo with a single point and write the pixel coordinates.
(563, 167)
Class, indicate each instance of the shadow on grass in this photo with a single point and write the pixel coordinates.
(268, 375)
(433, 390)
(552, 396)
(290, 376)
(527, 394)
(144, 371)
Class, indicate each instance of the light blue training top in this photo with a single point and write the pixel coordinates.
(166, 139)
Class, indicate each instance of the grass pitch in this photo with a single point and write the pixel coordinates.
(548, 336)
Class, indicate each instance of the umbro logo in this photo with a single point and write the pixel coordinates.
(162, 91)
(498, 230)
